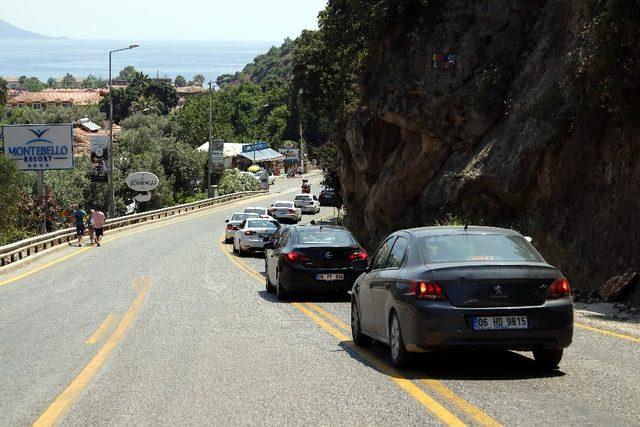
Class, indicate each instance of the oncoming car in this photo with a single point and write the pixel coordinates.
(233, 223)
(456, 287)
(253, 235)
(285, 210)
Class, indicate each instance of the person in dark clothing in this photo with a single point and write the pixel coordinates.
(79, 215)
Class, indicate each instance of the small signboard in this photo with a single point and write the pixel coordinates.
(99, 158)
(290, 154)
(443, 61)
(142, 181)
(254, 147)
(39, 147)
(288, 144)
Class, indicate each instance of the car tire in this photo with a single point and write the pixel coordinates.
(548, 359)
(399, 353)
(268, 285)
(241, 253)
(227, 241)
(235, 251)
(281, 293)
(359, 338)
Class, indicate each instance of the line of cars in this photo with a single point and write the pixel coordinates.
(429, 288)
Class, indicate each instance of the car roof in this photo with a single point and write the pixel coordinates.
(244, 213)
(253, 207)
(283, 201)
(309, 227)
(459, 229)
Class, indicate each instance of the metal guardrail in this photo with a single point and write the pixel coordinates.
(25, 248)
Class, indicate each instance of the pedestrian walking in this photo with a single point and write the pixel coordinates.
(98, 224)
(91, 228)
(79, 214)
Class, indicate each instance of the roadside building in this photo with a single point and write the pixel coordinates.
(186, 92)
(54, 97)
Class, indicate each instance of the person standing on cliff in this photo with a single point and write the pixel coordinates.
(98, 224)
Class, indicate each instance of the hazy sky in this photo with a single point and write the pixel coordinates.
(254, 20)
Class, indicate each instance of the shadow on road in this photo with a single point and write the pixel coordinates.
(452, 365)
(307, 297)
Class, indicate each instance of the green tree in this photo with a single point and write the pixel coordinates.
(51, 82)
(198, 80)
(164, 93)
(10, 201)
(3, 92)
(127, 73)
(122, 100)
(180, 81)
(31, 84)
(192, 120)
(69, 81)
(93, 82)
(145, 105)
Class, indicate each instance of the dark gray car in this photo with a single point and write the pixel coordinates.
(456, 287)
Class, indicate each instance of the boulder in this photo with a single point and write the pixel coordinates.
(618, 287)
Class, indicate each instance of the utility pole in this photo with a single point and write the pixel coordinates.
(40, 185)
(209, 163)
(112, 203)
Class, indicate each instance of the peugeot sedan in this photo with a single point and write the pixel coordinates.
(462, 287)
(285, 210)
(313, 259)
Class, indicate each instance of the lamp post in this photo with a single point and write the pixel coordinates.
(112, 205)
(209, 163)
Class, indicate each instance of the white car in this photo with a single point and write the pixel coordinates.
(285, 210)
(233, 223)
(271, 179)
(262, 212)
(308, 203)
(253, 234)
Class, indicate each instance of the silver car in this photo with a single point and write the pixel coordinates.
(262, 212)
(308, 203)
(253, 234)
(284, 210)
(233, 223)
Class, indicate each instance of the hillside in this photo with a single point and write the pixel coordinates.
(8, 31)
(534, 123)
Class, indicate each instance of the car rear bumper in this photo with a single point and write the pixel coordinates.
(431, 326)
(289, 217)
(304, 279)
(308, 209)
(252, 245)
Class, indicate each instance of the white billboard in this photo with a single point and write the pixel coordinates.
(39, 147)
(290, 153)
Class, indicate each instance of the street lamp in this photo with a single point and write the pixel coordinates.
(112, 205)
(210, 166)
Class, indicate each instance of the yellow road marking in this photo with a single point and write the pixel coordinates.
(104, 327)
(62, 404)
(329, 316)
(209, 211)
(440, 411)
(607, 332)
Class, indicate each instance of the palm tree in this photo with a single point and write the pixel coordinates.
(145, 105)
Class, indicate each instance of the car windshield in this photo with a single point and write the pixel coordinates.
(259, 211)
(243, 216)
(478, 248)
(263, 224)
(283, 205)
(326, 237)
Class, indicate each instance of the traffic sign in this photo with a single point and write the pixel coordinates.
(254, 147)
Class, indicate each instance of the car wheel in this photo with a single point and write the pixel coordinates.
(227, 241)
(356, 333)
(399, 354)
(548, 359)
(241, 253)
(235, 251)
(268, 285)
(281, 293)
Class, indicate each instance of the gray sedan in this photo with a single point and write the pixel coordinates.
(456, 287)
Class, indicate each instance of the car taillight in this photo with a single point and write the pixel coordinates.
(292, 210)
(235, 228)
(229, 226)
(249, 233)
(559, 289)
(426, 290)
(357, 255)
(296, 257)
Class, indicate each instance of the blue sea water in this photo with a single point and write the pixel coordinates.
(55, 58)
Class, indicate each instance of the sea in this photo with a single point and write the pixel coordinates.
(56, 57)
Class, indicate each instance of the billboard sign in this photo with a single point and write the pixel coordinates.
(217, 156)
(142, 181)
(254, 147)
(39, 147)
(99, 158)
(290, 154)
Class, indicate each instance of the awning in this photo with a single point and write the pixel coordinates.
(263, 155)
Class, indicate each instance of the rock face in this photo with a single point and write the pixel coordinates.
(501, 138)
(618, 287)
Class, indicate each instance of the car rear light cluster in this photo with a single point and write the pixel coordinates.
(249, 233)
(357, 255)
(229, 227)
(559, 289)
(296, 257)
(426, 290)
(292, 210)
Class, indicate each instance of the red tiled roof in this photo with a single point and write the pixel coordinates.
(58, 96)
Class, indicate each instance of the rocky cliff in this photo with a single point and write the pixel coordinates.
(532, 124)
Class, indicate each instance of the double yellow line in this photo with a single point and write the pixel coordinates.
(70, 394)
(338, 329)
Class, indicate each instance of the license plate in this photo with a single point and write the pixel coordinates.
(499, 322)
(329, 277)
(282, 212)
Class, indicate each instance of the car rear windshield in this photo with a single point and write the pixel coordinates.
(263, 224)
(243, 216)
(303, 197)
(283, 205)
(326, 237)
(259, 211)
(478, 248)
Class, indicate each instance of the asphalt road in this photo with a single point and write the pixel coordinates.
(164, 325)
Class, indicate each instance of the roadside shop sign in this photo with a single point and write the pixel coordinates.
(39, 147)
(254, 147)
(142, 181)
(290, 153)
(99, 158)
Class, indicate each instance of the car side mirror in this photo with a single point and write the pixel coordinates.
(528, 239)
(270, 245)
(226, 220)
(360, 265)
